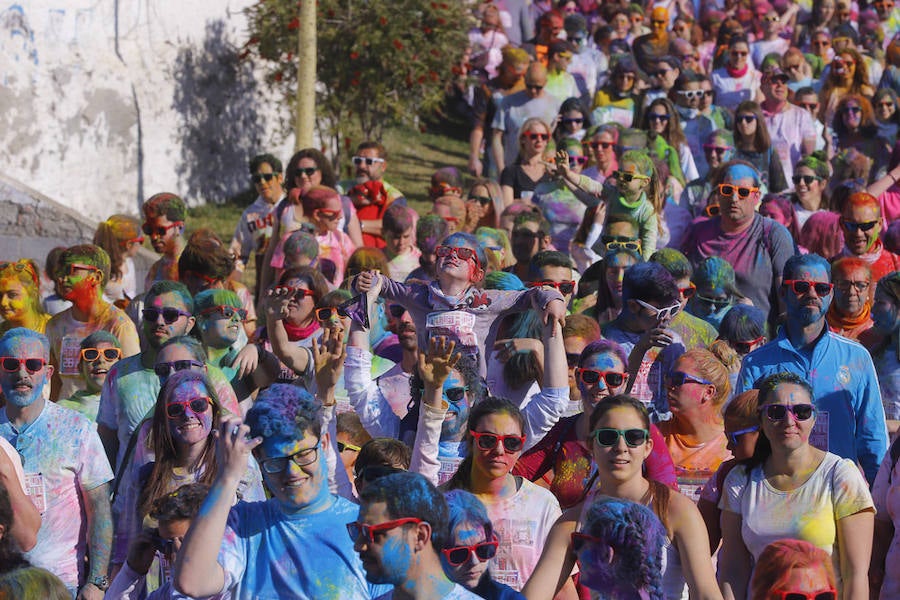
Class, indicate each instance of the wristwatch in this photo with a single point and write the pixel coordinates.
(100, 581)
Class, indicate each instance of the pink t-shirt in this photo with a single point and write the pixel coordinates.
(890, 204)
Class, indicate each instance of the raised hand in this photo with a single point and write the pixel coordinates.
(329, 353)
(435, 367)
(233, 448)
(276, 301)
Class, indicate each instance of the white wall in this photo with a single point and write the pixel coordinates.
(103, 104)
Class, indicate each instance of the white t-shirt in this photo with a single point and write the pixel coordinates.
(16, 461)
(731, 91)
(788, 129)
(522, 522)
(835, 490)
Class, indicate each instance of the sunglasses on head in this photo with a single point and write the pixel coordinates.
(779, 412)
(169, 314)
(460, 555)
(607, 436)
(301, 458)
(829, 594)
(258, 177)
(801, 286)
(679, 378)
(369, 160)
(489, 441)
(164, 369)
(746, 347)
(308, 171)
(564, 287)
(357, 529)
(482, 200)
(178, 408)
(11, 364)
(592, 376)
(728, 190)
(461, 252)
(346, 446)
(733, 436)
(854, 227)
(628, 177)
(372, 472)
(161, 230)
(92, 354)
(806, 179)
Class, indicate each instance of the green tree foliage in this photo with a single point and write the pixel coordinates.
(379, 61)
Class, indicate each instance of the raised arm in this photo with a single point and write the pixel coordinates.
(197, 570)
(275, 306)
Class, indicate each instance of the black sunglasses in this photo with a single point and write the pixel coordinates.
(169, 314)
(607, 436)
(852, 227)
(308, 171)
(257, 177)
(455, 394)
(778, 412)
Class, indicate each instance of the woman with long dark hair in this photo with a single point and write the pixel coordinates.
(855, 129)
(753, 144)
(181, 438)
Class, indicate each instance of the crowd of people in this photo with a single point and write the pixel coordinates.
(645, 344)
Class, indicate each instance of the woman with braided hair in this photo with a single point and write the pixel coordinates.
(618, 549)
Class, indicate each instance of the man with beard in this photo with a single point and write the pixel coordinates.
(850, 418)
(756, 246)
(790, 127)
(66, 471)
(371, 194)
(862, 224)
(401, 528)
(82, 273)
(130, 390)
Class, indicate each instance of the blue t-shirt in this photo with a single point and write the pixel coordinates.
(849, 415)
(270, 554)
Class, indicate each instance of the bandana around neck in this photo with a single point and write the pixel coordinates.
(299, 332)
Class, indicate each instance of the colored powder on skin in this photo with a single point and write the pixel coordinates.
(736, 172)
(22, 347)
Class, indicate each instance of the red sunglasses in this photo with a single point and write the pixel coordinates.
(459, 555)
(564, 287)
(829, 594)
(461, 252)
(356, 529)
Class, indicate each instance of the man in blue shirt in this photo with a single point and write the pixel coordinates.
(291, 546)
(850, 417)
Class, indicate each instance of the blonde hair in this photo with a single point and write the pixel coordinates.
(712, 369)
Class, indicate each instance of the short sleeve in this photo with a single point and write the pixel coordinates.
(94, 469)
(7, 448)
(733, 490)
(850, 490)
(232, 554)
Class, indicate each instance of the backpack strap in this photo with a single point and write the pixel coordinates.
(895, 456)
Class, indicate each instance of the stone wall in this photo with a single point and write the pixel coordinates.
(103, 104)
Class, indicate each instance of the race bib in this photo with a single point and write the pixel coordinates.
(69, 355)
(37, 493)
(455, 324)
(818, 437)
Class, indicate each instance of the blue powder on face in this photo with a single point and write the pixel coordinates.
(396, 558)
(741, 172)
